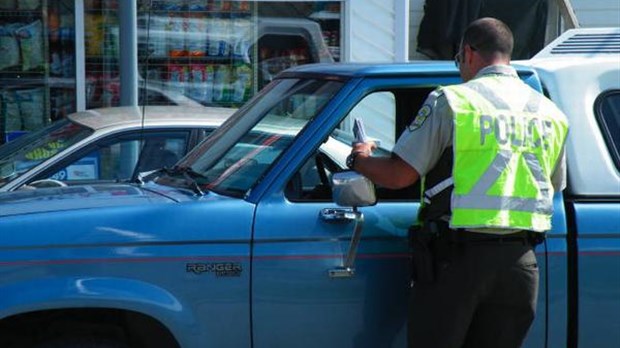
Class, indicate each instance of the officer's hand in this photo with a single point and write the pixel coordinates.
(365, 148)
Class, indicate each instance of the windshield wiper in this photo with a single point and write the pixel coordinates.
(187, 173)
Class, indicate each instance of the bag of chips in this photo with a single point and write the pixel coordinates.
(10, 111)
(9, 48)
(32, 107)
(31, 45)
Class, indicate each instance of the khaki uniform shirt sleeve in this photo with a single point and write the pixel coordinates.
(429, 134)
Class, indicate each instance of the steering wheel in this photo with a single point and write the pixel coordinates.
(45, 183)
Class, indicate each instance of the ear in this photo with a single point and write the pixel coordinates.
(470, 54)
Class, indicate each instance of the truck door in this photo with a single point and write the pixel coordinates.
(301, 297)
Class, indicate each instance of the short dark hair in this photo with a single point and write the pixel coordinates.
(490, 36)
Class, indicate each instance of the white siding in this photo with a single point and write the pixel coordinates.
(371, 31)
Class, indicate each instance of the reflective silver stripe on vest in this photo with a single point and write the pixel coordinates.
(477, 198)
(488, 94)
(533, 102)
(433, 191)
(532, 162)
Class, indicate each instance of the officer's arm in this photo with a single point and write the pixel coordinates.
(389, 172)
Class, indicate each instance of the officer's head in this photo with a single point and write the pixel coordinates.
(486, 41)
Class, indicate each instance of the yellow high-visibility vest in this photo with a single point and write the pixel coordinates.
(507, 142)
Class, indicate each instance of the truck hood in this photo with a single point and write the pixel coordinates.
(84, 197)
(118, 217)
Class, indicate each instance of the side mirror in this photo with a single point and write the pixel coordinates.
(351, 189)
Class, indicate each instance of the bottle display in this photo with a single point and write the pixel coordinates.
(195, 47)
(220, 53)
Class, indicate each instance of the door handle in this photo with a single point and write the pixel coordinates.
(334, 215)
(346, 270)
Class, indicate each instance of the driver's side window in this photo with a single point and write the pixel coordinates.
(313, 180)
(385, 115)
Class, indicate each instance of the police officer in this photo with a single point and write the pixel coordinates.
(492, 154)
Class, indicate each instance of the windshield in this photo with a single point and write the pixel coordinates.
(18, 156)
(240, 152)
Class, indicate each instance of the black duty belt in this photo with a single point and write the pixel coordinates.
(468, 237)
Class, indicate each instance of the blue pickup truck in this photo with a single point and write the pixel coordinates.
(242, 243)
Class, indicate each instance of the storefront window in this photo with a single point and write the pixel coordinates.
(222, 52)
(101, 46)
(37, 64)
(209, 52)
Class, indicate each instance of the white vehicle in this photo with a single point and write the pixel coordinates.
(106, 145)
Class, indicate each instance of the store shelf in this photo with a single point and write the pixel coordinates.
(12, 14)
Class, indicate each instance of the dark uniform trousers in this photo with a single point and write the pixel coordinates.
(483, 293)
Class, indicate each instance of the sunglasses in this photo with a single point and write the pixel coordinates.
(458, 57)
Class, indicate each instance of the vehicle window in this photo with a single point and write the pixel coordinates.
(120, 159)
(378, 112)
(607, 112)
(313, 181)
(27, 151)
(237, 155)
(385, 114)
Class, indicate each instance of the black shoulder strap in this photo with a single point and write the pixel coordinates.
(438, 189)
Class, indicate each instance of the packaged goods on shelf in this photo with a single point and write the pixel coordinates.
(7, 4)
(219, 37)
(31, 45)
(242, 86)
(197, 5)
(28, 4)
(9, 48)
(23, 109)
(221, 84)
(177, 45)
(111, 41)
(201, 83)
(111, 93)
(157, 36)
(241, 38)
(32, 108)
(10, 111)
(178, 75)
(94, 34)
(196, 36)
(61, 104)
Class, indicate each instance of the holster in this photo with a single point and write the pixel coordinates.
(536, 238)
(431, 249)
(421, 245)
